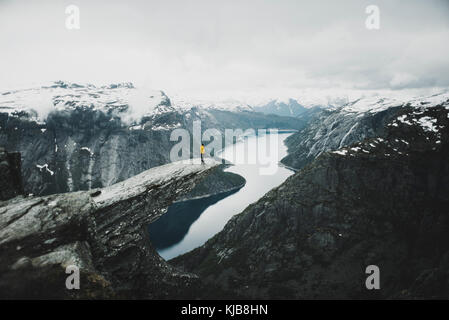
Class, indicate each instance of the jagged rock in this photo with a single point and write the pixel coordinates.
(103, 232)
(10, 175)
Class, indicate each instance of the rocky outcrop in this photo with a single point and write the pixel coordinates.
(382, 201)
(102, 231)
(215, 183)
(10, 175)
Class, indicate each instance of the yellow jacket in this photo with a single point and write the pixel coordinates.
(202, 149)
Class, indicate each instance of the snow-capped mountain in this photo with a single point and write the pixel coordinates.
(367, 117)
(303, 107)
(376, 104)
(233, 105)
(290, 108)
(121, 98)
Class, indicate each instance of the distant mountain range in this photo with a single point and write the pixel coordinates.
(290, 108)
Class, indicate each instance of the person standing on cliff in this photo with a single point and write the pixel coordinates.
(202, 152)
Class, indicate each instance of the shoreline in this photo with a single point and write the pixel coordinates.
(212, 194)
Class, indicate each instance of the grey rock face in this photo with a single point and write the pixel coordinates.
(10, 175)
(102, 232)
(381, 201)
(215, 183)
(80, 150)
(332, 130)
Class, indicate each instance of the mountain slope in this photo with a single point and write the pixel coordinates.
(381, 201)
(340, 127)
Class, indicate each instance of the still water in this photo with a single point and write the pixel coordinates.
(188, 225)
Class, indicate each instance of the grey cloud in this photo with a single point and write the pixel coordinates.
(205, 46)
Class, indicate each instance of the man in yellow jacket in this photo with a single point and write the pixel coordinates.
(202, 152)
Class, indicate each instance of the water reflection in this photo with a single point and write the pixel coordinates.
(190, 224)
(175, 223)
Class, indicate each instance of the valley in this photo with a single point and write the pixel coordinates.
(83, 184)
(210, 219)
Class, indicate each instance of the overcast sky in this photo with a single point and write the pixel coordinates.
(221, 47)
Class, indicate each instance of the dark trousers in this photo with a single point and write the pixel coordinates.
(202, 160)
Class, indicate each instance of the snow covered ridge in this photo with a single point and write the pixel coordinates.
(376, 104)
(37, 102)
(235, 105)
(416, 128)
